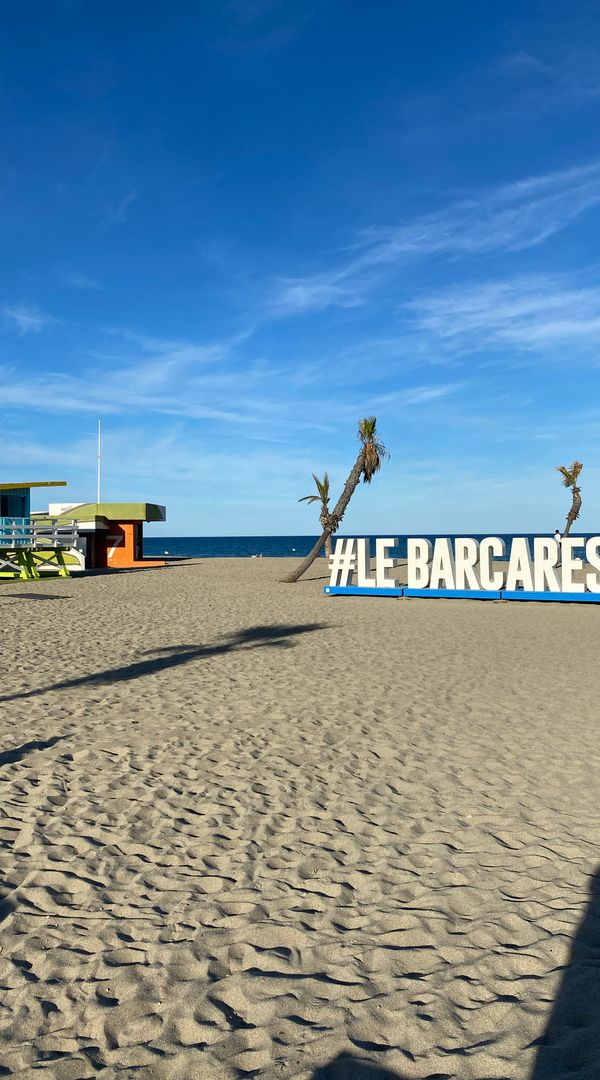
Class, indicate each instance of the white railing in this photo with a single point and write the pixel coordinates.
(29, 533)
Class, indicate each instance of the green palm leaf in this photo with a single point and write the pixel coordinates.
(374, 450)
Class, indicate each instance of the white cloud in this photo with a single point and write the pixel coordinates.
(509, 218)
(257, 26)
(116, 213)
(168, 457)
(416, 395)
(216, 382)
(149, 375)
(522, 61)
(512, 218)
(26, 318)
(568, 81)
(136, 388)
(296, 296)
(535, 313)
(75, 280)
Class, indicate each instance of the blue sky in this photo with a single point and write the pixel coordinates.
(232, 229)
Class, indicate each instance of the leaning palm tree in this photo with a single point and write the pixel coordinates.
(324, 515)
(369, 461)
(570, 476)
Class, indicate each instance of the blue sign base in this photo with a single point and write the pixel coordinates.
(455, 594)
(360, 590)
(463, 594)
(555, 597)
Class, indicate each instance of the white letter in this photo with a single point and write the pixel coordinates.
(570, 564)
(592, 554)
(342, 562)
(363, 559)
(490, 580)
(382, 562)
(465, 558)
(442, 565)
(519, 567)
(545, 558)
(419, 557)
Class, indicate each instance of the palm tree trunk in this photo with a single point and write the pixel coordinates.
(328, 546)
(336, 517)
(574, 511)
(349, 488)
(310, 558)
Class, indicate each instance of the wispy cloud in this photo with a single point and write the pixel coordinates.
(509, 218)
(312, 294)
(260, 26)
(148, 375)
(67, 454)
(532, 313)
(116, 213)
(518, 92)
(26, 318)
(218, 382)
(570, 80)
(522, 61)
(186, 350)
(167, 463)
(415, 395)
(75, 280)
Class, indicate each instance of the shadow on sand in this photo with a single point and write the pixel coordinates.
(7, 757)
(172, 656)
(7, 906)
(347, 1066)
(571, 1043)
(33, 596)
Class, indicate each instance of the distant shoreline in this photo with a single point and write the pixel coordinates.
(291, 547)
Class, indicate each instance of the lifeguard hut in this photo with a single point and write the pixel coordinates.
(15, 499)
(29, 548)
(110, 535)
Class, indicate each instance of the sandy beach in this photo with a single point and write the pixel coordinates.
(250, 830)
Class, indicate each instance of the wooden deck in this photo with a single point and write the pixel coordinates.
(29, 549)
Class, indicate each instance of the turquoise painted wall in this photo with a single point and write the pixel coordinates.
(15, 502)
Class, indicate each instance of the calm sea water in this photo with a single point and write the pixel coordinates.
(210, 547)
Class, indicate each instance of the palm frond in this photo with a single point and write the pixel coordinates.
(323, 489)
(373, 449)
(367, 428)
(570, 474)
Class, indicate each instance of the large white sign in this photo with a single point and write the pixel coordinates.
(466, 564)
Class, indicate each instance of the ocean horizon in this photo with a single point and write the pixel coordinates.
(281, 547)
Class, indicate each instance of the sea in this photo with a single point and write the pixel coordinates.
(282, 547)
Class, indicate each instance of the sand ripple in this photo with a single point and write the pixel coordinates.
(248, 830)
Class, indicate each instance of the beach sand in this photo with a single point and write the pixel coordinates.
(252, 830)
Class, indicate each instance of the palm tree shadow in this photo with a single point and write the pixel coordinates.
(571, 1042)
(34, 596)
(7, 906)
(8, 757)
(347, 1066)
(172, 656)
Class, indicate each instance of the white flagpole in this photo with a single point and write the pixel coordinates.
(99, 457)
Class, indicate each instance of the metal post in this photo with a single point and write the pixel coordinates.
(99, 457)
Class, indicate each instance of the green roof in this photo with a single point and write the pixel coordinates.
(34, 483)
(128, 511)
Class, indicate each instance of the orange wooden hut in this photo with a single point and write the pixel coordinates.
(111, 535)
